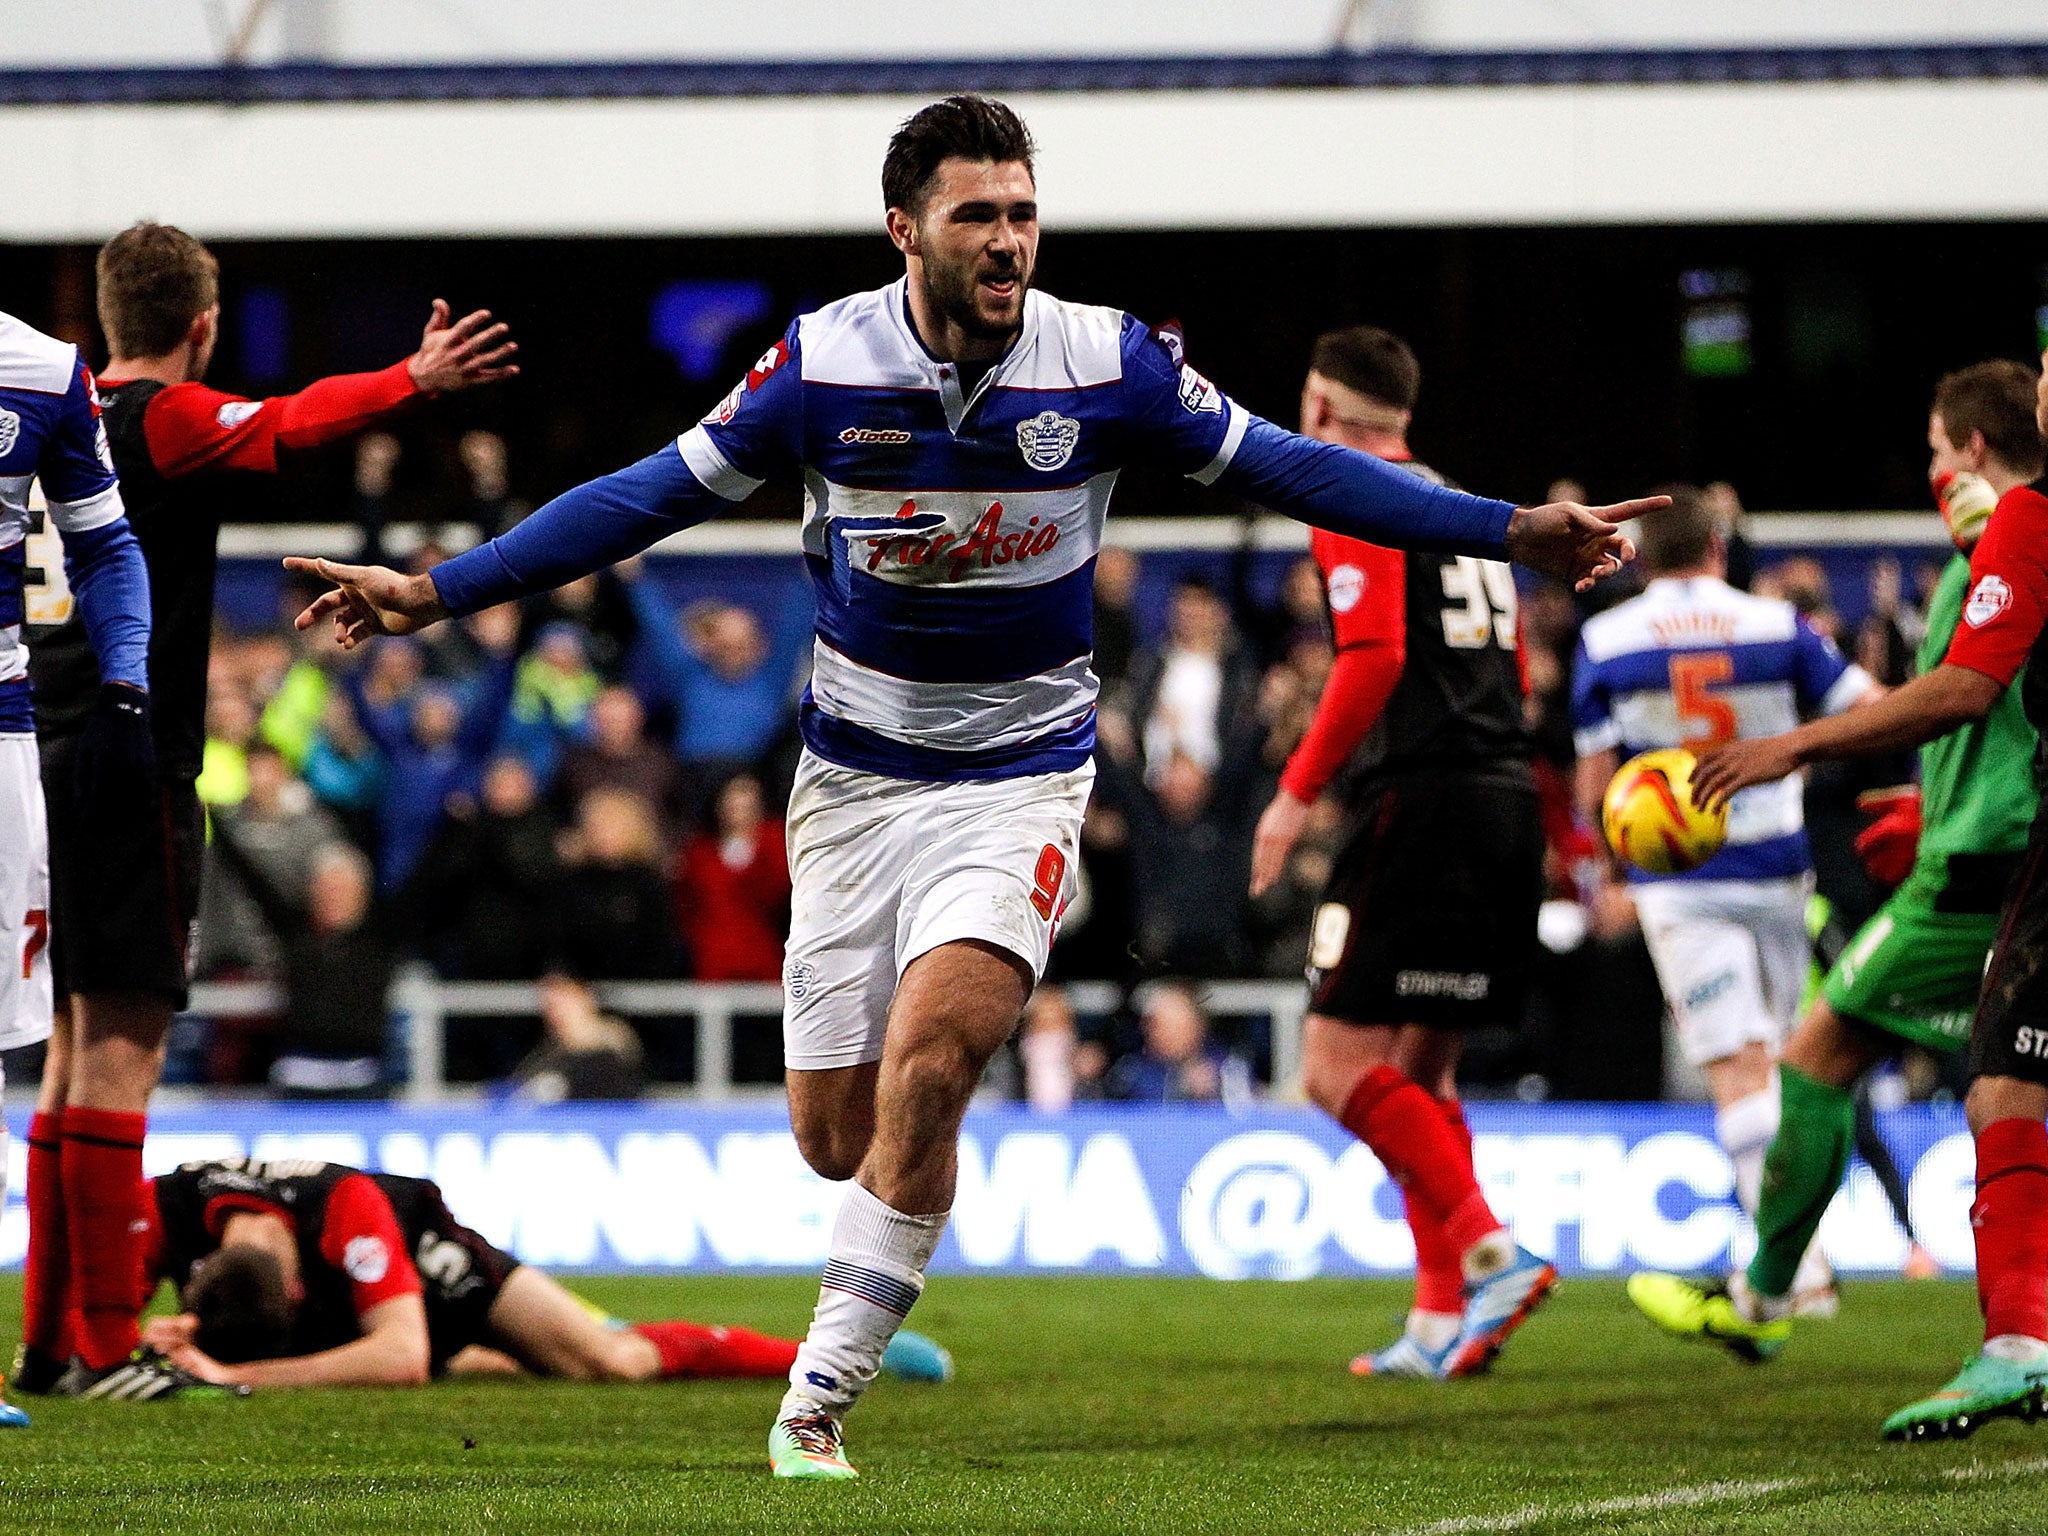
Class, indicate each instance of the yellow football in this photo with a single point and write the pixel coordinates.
(1650, 819)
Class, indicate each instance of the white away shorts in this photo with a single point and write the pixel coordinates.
(24, 897)
(883, 870)
(1731, 955)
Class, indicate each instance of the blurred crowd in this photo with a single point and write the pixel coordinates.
(588, 788)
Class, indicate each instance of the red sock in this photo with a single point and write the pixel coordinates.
(105, 1217)
(2010, 1221)
(691, 1349)
(1439, 1273)
(46, 1273)
(1406, 1130)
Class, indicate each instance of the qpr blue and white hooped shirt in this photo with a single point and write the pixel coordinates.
(951, 526)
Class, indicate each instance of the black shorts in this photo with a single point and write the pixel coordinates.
(1430, 914)
(2009, 1036)
(461, 1274)
(121, 908)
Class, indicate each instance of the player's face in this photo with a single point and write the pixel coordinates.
(976, 242)
(1944, 457)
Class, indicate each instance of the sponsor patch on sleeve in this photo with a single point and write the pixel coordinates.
(235, 412)
(1197, 394)
(1988, 599)
(366, 1260)
(1347, 586)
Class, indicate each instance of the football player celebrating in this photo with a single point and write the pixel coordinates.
(1430, 914)
(959, 436)
(50, 429)
(123, 905)
(1912, 973)
(1692, 662)
(2003, 619)
(309, 1274)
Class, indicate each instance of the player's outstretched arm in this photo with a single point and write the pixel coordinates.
(1347, 492)
(583, 530)
(1931, 705)
(462, 354)
(1578, 544)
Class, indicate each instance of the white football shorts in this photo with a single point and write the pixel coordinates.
(24, 897)
(883, 870)
(1731, 955)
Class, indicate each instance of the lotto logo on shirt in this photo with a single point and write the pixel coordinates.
(1988, 599)
(771, 360)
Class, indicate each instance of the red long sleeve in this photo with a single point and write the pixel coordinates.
(1361, 682)
(1367, 590)
(195, 430)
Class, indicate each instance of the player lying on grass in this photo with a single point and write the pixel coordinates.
(310, 1274)
(2002, 631)
(1912, 973)
(959, 436)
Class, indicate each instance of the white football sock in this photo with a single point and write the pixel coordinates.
(872, 1279)
(1492, 1255)
(1434, 1330)
(1744, 1129)
(1815, 1273)
(2018, 1348)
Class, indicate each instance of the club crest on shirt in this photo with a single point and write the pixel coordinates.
(1988, 599)
(1047, 440)
(10, 430)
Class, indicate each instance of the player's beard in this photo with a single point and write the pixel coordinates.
(953, 291)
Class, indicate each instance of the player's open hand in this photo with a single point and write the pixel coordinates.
(1735, 765)
(1581, 544)
(368, 600)
(469, 352)
(1278, 829)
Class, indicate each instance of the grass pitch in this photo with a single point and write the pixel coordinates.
(1094, 1405)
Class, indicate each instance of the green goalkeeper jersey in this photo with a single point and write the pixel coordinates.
(1976, 783)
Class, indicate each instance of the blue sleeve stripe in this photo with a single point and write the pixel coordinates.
(1355, 494)
(104, 565)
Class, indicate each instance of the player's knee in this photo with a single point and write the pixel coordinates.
(832, 1151)
(1994, 1098)
(939, 1070)
(1328, 1082)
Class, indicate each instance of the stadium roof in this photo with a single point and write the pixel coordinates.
(1385, 69)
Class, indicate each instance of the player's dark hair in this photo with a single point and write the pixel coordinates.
(1374, 362)
(154, 281)
(963, 127)
(238, 1294)
(1997, 399)
(1681, 536)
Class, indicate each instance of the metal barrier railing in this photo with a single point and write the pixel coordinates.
(427, 1003)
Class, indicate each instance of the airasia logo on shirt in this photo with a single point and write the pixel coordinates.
(1988, 599)
(366, 1260)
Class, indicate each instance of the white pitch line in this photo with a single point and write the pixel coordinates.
(1669, 1498)
(1998, 1469)
(1679, 1498)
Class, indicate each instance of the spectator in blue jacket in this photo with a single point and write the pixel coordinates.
(730, 682)
(436, 747)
